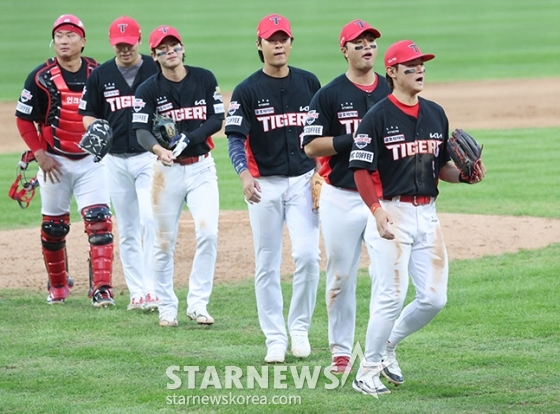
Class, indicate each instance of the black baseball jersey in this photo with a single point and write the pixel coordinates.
(337, 109)
(108, 96)
(195, 104)
(407, 153)
(34, 103)
(270, 113)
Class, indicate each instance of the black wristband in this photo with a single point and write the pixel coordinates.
(343, 143)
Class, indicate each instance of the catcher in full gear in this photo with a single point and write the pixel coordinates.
(50, 101)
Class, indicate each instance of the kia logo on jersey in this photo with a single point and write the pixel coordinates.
(362, 140)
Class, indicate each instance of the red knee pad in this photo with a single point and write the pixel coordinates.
(99, 226)
(53, 239)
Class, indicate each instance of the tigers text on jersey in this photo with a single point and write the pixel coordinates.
(270, 113)
(194, 103)
(337, 109)
(407, 153)
(108, 96)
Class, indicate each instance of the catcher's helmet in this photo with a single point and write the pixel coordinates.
(68, 19)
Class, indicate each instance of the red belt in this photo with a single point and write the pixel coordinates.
(416, 200)
(190, 160)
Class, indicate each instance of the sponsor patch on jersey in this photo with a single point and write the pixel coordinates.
(219, 108)
(361, 140)
(313, 130)
(393, 138)
(347, 114)
(25, 95)
(218, 95)
(141, 118)
(110, 94)
(165, 107)
(361, 156)
(138, 104)
(264, 111)
(23, 108)
(234, 120)
(312, 116)
(233, 106)
(82, 104)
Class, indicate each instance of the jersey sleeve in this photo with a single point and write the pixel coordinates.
(238, 118)
(214, 110)
(318, 118)
(89, 103)
(32, 100)
(143, 107)
(363, 155)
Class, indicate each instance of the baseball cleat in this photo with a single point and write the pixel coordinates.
(340, 365)
(169, 323)
(151, 303)
(300, 345)
(136, 304)
(201, 317)
(276, 354)
(391, 369)
(102, 298)
(51, 301)
(373, 386)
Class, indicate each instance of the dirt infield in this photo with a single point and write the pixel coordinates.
(469, 105)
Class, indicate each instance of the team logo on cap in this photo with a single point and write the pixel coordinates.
(275, 20)
(122, 27)
(414, 48)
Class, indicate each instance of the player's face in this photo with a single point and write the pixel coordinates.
(169, 53)
(410, 76)
(127, 55)
(67, 44)
(361, 52)
(276, 49)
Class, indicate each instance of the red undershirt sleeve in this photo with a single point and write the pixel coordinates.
(366, 187)
(29, 133)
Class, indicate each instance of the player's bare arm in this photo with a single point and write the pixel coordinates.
(87, 120)
(320, 147)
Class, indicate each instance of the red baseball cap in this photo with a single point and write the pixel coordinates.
(404, 51)
(124, 30)
(69, 22)
(160, 33)
(354, 29)
(271, 24)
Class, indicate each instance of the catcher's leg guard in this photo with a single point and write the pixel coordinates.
(99, 226)
(53, 239)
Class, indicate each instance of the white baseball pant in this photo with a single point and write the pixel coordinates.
(285, 200)
(419, 250)
(344, 222)
(197, 185)
(130, 180)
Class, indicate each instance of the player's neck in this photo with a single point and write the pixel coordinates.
(176, 74)
(360, 77)
(72, 64)
(276, 71)
(409, 98)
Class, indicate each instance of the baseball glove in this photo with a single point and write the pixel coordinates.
(98, 139)
(165, 130)
(465, 153)
(316, 184)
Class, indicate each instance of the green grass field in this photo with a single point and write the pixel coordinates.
(493, 349)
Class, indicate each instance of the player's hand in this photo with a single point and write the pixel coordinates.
(50, 166)
(164, 155)
(383, 220)
(480, 172)
(251, 187)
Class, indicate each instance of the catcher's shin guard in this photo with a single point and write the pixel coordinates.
(53, 239)
(99, 226)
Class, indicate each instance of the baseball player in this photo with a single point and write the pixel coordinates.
(49, 123)
(334, 115)
(264, 124)
(109, 95)
(190, 96)
(402, 141)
